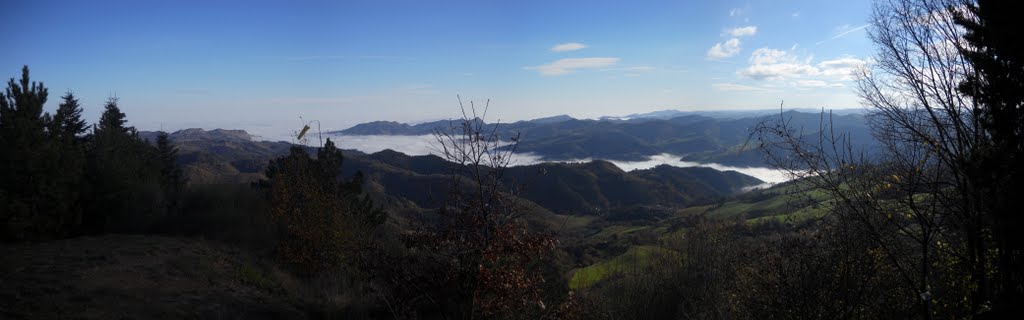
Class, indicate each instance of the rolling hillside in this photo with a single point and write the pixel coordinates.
(578, 188)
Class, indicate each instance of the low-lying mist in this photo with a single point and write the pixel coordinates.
(426, 144)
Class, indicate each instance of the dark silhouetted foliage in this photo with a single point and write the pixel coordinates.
(997, 85)
(35, 201)
(57, 181)
(324, 222)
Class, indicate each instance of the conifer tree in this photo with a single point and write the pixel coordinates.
(28, 207)
(124, 177)
(997, 86)
(172, 181)
(112, 121)
(64, 130)
(67, 123)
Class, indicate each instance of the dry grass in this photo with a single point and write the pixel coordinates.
(126, 276)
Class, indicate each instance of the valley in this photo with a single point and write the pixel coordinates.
(608, 215)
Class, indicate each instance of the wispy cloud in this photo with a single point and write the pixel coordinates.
(816, 84)
(346, 57)
(742, 31)
(632, 69)
(567, 66)
(735, 87)
(571, 46)
(725, 49)
(843, 30)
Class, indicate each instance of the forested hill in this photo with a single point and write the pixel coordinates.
(221, 156)
(696, 137)
(588, 187)
(229, 156)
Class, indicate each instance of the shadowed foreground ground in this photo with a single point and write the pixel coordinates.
(127, 276)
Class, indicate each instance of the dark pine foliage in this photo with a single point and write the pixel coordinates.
(57, 180)
(997, 86)
(30, 209)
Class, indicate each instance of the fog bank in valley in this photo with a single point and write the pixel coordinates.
(427, 144)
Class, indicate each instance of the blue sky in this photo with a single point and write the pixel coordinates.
(261, 65)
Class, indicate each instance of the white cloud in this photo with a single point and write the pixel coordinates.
(770, 56)
(843, 69)
(774, 64)
(571, 46)
(816, 84)
(778, 71)
(725, 49)
(567, 66)
(742, 31)
(735, 87)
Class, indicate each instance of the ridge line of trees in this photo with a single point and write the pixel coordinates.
(59, 179)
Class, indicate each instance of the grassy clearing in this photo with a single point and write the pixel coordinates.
(636, 258)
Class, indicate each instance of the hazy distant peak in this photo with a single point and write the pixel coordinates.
(198, 134)
(553, 119)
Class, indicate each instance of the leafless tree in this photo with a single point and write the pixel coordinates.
(490, 254)
(915, 197)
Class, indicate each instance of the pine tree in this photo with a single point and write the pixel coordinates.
(997, 86)
(65, 129)
(172, 181)
(113, 121)
(28, 166)
(21, 112)
(124, 177)
(67, 123)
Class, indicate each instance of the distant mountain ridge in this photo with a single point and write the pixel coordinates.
(197, 134)
(219, 155)
(720, 137)
(384, 127)
(722, 114)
